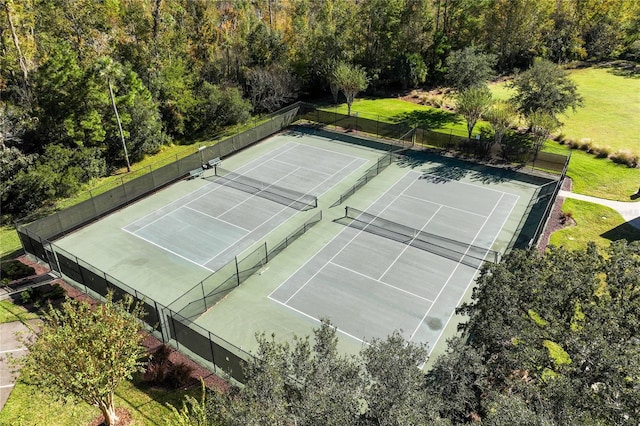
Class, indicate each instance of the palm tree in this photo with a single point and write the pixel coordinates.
(110, 71)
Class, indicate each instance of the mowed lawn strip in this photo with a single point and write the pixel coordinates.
(594, 222)
(146, 405)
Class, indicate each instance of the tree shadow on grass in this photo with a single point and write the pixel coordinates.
(430, 119)
(626, 69)
(626, 231)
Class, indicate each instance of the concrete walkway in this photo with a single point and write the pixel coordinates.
(10, 345)
(629, 211)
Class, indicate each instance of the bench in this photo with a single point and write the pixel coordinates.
(196, 173)
(213, 162)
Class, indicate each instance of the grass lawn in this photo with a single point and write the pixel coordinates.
(609, 116)
(393, 110)
(598, 177)
(147, 406)
(595, 223)
(10, 312)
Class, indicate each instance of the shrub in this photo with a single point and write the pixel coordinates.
(56, 292)
(602, 151)
(585, 145)
(159, 365)
(14, 269)
(179, 375)
(625, 157)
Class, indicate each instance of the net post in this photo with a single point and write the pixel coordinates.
(346, 210)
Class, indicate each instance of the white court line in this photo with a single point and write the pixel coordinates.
(216, 188)
(444, 205)
(317, 148)
(472, 278)
(317, 320)
(408, 245)
(13, 350)
(336, 236)
(6, 386)
(216, 218)
(305, 168)
(380, 282)
(170, 251)
(454, 271)
(343, 248)
(284, 208)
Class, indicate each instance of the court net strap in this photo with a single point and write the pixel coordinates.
(467, 254)
(288, 197)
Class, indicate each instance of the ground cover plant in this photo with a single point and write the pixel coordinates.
(593, 223)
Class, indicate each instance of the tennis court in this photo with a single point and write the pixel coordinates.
(404, 263)
(214, 223)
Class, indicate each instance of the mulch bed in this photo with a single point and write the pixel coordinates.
(555, 222)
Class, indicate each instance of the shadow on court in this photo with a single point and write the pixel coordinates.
(454, 169)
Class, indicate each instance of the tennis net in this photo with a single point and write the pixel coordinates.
(288, 197)
(467, 254)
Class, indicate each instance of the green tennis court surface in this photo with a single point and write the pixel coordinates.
(401, 256)
(210, 226)
(370, 284)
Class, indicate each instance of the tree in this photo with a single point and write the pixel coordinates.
(472, 103)
(545, 87)
(110, 71)
(469, 67)
(459, 378)
(395, 394)
(501, 116)
(351, 79)
(565, 324)
(85, 353)
(541, 125)
(271, 87)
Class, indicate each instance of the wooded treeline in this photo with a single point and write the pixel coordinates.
(72, 72)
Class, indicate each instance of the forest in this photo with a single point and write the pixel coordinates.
(81, 78)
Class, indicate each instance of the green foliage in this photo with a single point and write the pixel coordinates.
(85, 353)
(594, 359)
(472, 103)
(469, 67)
(546, 88)
(350, 79)
(537, 318)
(14, 269)
(414, 70)
(458, 378)
(315, 385)
(217, 107)
(395, 393)
(192, 413)
(558, 356)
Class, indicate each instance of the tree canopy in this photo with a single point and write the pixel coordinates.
(85, 353)
(551, 339)
(545, 87)
(185, 69)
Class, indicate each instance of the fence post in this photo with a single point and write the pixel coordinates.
(237, 271)
(204, 297)
(266, 253)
